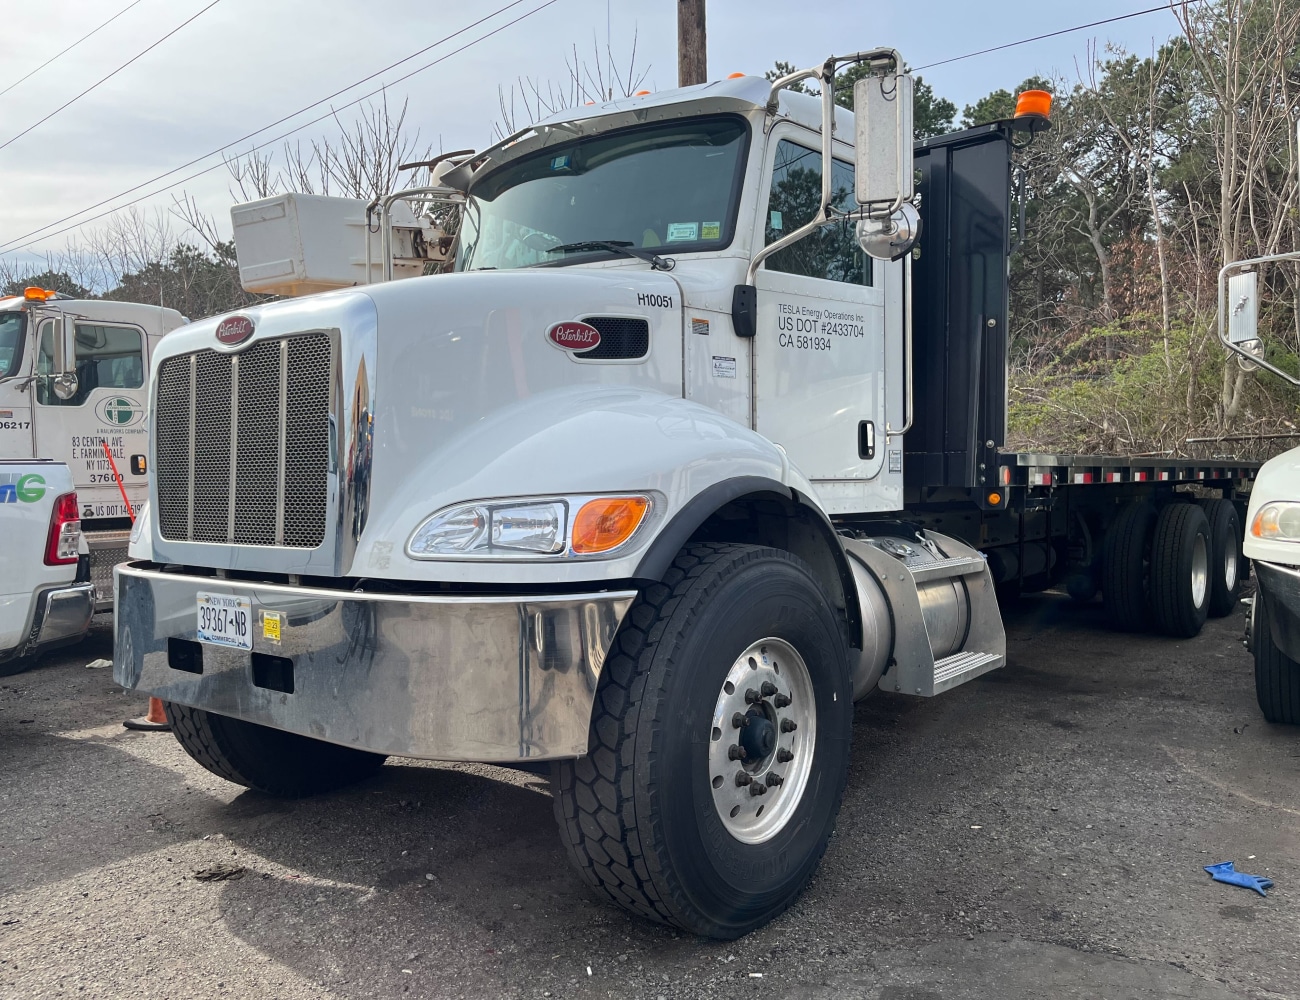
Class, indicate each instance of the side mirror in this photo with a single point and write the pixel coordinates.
(65, 346)
(64, 385)
(882, 109)
(1243, 308)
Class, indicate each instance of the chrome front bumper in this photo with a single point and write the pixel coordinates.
(495, 679)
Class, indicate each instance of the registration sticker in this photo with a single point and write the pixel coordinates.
(681, 232)
(225, 620)
(271, 622)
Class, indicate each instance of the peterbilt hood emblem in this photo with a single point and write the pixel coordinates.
(234, 330)
(573, 336)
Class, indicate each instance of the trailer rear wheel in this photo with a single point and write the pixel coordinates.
(267, 760)
(1180, 570)
(1124, 566)
(1277, 676)
(719, 744)
(1226, 560)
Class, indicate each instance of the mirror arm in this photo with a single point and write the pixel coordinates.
(1223, 308)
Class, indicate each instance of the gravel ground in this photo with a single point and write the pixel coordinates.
(1039, 832)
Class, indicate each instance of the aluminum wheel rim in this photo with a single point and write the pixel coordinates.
(1230, 567)
(770, 686)
(1200, 571)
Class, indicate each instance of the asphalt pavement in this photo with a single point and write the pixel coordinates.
(1040, 832)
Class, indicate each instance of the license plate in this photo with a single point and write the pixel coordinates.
(225, 620)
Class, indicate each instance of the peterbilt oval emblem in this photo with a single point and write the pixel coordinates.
(574, 336)
(234, 330)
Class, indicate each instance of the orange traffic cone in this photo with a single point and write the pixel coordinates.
(155, 720)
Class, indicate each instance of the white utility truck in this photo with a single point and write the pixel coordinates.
(1273, 520)
(72, 390)
(46, 597)
(654, 484)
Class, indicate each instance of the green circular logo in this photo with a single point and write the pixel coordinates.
(120, 411)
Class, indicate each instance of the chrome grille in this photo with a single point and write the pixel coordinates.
(242, 448)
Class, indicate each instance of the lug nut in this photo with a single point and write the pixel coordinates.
(743, 778)
(773, 779)
(752, 697)
(788, 726)
(768, 689)
(784, 756)
(781, 700)
(740, 720)
(736, 752)
(757, 788)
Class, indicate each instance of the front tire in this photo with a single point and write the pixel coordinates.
(1277, 676)
(648, 815)
(267, 760)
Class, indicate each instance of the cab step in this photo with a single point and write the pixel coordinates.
(962, 667)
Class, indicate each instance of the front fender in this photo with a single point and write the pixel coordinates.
(571, 440)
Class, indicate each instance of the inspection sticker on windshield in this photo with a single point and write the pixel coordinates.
(724, 367)
(225, 620)
(711, 230)
(681, 232)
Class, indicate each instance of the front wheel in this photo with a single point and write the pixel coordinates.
(719, 744)
(1277, 676)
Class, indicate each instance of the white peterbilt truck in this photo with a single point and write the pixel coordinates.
(72, 390)
(654, 484)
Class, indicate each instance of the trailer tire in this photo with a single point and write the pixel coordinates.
(1180, 570)
(1124, 566)
(1277, 676)
(641, 815)
(267, 760)
(1226, 559)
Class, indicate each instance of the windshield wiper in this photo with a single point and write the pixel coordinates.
(623, 247)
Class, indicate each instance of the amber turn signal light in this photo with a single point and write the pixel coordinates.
(606, 523)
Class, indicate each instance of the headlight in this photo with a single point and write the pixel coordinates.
(565, 526)
(1277, 522)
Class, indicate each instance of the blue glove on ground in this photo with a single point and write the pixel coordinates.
(1224, 873)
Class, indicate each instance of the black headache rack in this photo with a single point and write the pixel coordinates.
(959, 343)
(959, 309)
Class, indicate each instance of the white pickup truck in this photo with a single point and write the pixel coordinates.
(46, 597)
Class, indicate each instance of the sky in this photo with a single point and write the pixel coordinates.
(243, 64)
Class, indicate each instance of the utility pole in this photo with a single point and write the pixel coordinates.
(692, 55)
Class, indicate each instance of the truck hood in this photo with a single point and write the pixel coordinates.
(465, 387)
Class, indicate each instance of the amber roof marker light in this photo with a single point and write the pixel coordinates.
(1033, 111)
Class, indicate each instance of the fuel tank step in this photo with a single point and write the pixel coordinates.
(942, 569)
(962, 667)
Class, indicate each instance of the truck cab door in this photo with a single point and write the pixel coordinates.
(108, 407)
(15, 397)
(819, 348)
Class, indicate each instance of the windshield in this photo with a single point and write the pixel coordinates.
(12, 327)
(669, 187)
